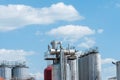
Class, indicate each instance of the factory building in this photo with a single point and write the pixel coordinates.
(67, 66)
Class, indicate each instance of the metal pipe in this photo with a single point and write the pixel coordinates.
(62, 62)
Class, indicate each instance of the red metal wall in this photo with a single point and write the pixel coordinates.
(48, 73)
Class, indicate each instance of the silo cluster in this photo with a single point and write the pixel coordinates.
(89, 66)
(66, 65)
(14, 72)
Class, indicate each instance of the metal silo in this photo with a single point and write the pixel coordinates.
(56, 75)
(20, 72)
(56, 72)
(89, 66)
(5, 72)
(73, 69)
(118, 70)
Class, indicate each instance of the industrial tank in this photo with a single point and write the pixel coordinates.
(56, 72)
(89, 66)
(5, 72)
(118, 70)
(20, 72)
(48, 73)
(73, 69)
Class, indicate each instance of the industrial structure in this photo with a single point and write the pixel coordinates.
(14, 71)
(66, 65)
(89, 65)
(117, 64)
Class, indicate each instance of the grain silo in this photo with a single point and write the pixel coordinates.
(5, 71)
(73, 69)
(20, 72)
(89, 66)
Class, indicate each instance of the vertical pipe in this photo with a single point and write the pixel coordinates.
(62, 62)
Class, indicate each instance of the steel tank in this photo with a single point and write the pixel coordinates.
(89, 67)
(48, 73)
(5, 72)
(73, 69)
(56, 72)
(20, 72)
(118, 69)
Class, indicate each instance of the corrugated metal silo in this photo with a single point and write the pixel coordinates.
(89, 67)
(56, 72)
(73, 69)
(68, 72)
(20, 72)
(5, 72)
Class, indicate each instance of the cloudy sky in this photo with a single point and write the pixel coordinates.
(28, 26)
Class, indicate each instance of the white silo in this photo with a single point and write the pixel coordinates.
(73, 69)
(20, 72)
(5, 72)
(89, 66)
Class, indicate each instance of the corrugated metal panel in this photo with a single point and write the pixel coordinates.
(89, 67)
(5, 72)
(56, 72)
(20, 72)
(73, 69)
(68, 72)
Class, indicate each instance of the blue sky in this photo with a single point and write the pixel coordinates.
(28, 26)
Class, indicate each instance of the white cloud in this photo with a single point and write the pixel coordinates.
(71, 32)
(16, 16)
(14, 55)
(100, 31)
(88, 43)
(108, 69)
(38, 75)
(108, 72)
(108, 60)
